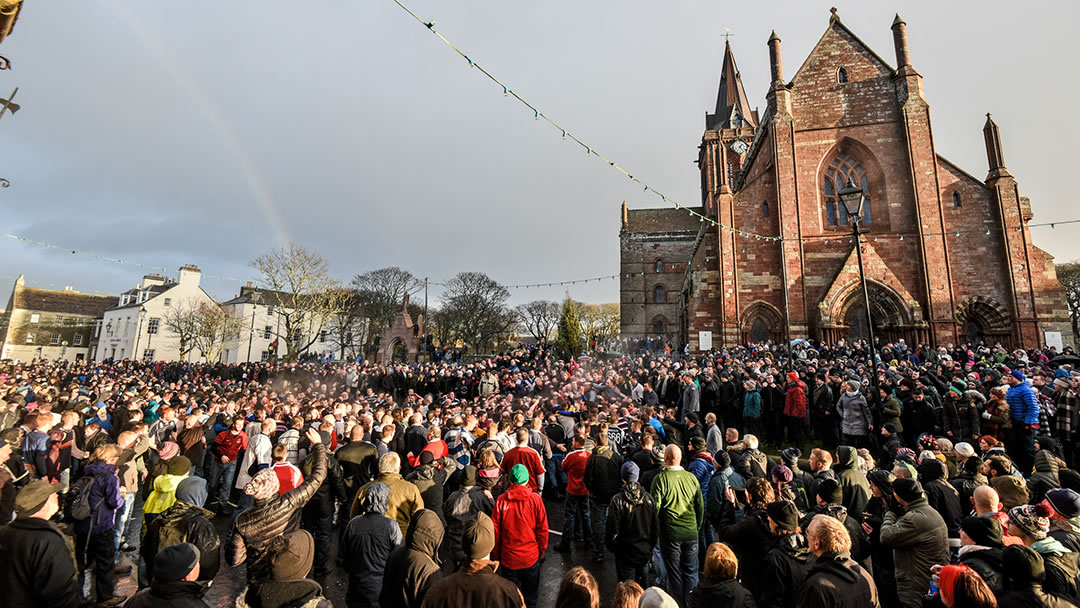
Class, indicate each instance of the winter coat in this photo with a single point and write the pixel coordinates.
(836, 581)
(786, 566)
(164, 493)
(405, 500)
(602, 473)
(795, 400)
(331, 489)
(359, 462)
(999, 419)
(1031, 595)
(368, 541)
(702, 465)
(632, 527)
(413, 567)
(301, 593)
(521, 528)
(965, 485)
(961, 418)
(430, 480)
(184, 523)
(727, 593)
(36, 566)
(986, 561)
(855, 417)
(690, 399)
(1023, 403)
(861, 550)
(750, 463)
(528, 457)
(1011, 489)
(105, 499)
(752, 404)
(461, 509)
(679, 504)
(941, 495)
(852, 481)
(1045, 477)
(475, 584)
(1062, 569)
(919, 539)
(890, 413)
(266, 520)
(750, 540)
(176, 594)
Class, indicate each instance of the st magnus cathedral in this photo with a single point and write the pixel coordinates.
(948, 256)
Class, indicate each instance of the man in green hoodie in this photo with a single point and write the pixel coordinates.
(681, 511)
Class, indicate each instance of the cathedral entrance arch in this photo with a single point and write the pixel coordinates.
(399, 353)
(889, 314)
(762, 322)
(983, 319)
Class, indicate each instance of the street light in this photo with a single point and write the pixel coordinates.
(853, 199)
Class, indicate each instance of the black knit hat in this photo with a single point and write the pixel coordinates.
(985, 531)
(882, 479)
(907, 490)
(1022, 564)
(174, 562)
(784, 513)
(723, 459)
(790, 456)
(831, 492)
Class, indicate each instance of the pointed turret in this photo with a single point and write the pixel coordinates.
(732, 107)
(995, 155)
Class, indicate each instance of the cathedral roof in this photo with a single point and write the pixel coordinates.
(732, 107)
(662, 220)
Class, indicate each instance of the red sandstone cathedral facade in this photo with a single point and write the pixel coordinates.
(948, 256)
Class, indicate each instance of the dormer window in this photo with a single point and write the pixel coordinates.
(142, 296)
(124, 299)
(841, 75)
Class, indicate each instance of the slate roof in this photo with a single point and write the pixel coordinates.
(66, 302)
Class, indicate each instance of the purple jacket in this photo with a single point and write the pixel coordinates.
(105, 498)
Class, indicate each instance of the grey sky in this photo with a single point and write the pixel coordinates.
(171, 133)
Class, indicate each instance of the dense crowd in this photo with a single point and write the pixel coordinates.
(937, 476)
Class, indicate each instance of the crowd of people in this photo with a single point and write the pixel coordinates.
(761, 475)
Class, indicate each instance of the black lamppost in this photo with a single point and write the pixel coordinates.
(853, 198)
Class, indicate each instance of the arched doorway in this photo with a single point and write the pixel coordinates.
(399, 352)
(762, 322)
(887, 312)
(984, 319)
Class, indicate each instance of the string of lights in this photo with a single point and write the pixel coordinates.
(591, 151)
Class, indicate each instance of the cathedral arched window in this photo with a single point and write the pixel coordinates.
(841, 169)
(765, 208)
(659, 265)
(659, 326)
(956, 198)
(841, 76)
(660, 294)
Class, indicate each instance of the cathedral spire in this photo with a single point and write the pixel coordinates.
(995, 155)
(732, 107)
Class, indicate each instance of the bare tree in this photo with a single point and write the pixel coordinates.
(442, 327)
(476, 306)
(540, 317)
(1069, 275)
(381, 292)
(214, 327)
(599, 322)
(182, 320)
(348, 328)
(299, 285)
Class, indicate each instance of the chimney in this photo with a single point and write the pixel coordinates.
(774, 61)
(190, 275)
(899, 32)
(153, 280)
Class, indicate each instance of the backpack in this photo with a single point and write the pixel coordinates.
(77, 503)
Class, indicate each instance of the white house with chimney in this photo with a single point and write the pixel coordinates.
(135, 328)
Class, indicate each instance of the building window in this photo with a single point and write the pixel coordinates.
(322, 337)
(77, 340)
(956, 198)
(843, 168)
(55, 339)
(168, 302)
(765, 208)
(267, 331)
(30, 338)
(660, 294)
(841, 76)
(152, 326)
(124, 300)
(35, 318)
(265, 355)
(80, 322)
(659, 265)
(269, 310)
(60, 321)
(659, 326)
(148, 354)
(296, 335)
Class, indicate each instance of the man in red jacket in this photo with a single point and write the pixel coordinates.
(795, 409)
(521, 534)
(576, 508)
(527, 456)
(227, 447)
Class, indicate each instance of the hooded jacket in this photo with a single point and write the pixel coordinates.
(36, 566)
(368, 541)
(836, 581)
(632, 527)
(961, 418)
(164, 493)
(1062, 569)
(460, 509)
(749, 539)
(430, 480)
(702, 465)
(184, 523)
(174, 594)
(919, 539)
(413, 567)
(1011, 489)
(405, 500)
(104, 498)
(475, 584)
(266, 520)
(602, 473)
(986, 561)
(941, 495)
(728, 593)
(1045, 477)
(852, 481)
(521, 528)
(855, 417)
(795, 399)
(890, 413)
(786, 566)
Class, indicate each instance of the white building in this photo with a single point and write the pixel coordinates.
(136, 329)
(260, 310)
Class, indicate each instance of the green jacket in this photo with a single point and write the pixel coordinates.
(890, 412)
(679, 504)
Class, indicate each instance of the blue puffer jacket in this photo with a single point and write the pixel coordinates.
(105, 498)
(752, 405)
(702, 466)
(1023, 403)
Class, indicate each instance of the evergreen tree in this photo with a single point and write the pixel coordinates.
(569, 341)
